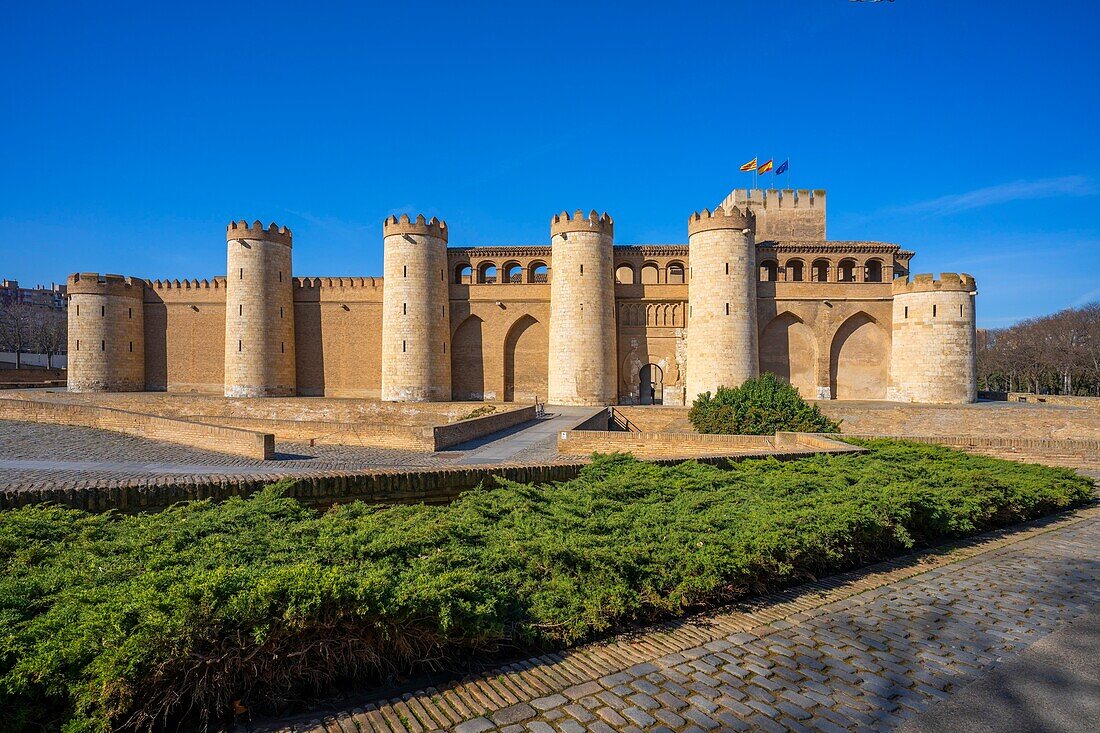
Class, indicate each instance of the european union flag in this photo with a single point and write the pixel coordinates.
(783, 167)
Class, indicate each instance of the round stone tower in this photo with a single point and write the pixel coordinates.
(416, 335)
(106, 333)
(259, 312)
(932, 354)
(582, 369)
(721, 326)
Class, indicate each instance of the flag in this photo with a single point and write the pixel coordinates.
(765, 166)
(783, 167)
(750, 166)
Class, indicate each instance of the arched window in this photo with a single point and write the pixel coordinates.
(537, 272)
(651, 275)
(794, 271)
(874, 271)
(769, 271)
(624, 275)
(819, 272)
(675, 273)
(464, 274)
(513, 272)
(846, 271)
(487, 273)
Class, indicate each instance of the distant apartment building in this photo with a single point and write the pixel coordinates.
(40, 296)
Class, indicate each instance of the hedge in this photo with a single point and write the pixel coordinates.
(110, 621)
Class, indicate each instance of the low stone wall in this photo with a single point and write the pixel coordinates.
(1082, 454)
(196, 435)
(1046, 399)
(380, 435)
(695, 445)
(31, 377)
(445, 436)
(652, 419)
(660, 445)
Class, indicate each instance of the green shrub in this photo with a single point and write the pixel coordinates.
(109, 620)
(760, 406)
(478, 412)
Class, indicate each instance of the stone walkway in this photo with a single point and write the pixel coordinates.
(863, 651)
(529, 442)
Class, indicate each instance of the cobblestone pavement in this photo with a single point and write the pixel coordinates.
(857, 652)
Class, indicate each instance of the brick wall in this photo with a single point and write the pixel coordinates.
(196, 435)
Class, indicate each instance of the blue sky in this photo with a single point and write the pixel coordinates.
(967, 131)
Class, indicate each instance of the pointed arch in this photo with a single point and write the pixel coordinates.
(468, 360)
(859, 359)
(788, 349)
(526, 358)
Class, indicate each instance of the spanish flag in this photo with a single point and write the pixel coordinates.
(765, 167)
(750, 166)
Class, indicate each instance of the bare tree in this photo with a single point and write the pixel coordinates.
(1057, 354)
(50, 331)
(16, 329)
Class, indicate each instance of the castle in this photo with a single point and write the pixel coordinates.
(757, 287)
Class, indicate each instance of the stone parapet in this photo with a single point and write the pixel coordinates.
(729, 217)
(602, 223)
(241, 230)
(404, 225)
(92, 283)
(927, 283)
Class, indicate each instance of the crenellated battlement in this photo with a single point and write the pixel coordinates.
(404, 225)
(927, 283)
(593, 222)
(729, 217)
(774, 198)
(337, 282)
(176, 284)
(242, 230)
(93, 283)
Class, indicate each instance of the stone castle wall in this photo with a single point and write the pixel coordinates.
(933, 340)
(721, 328)
(525, 323)
(259, 317)
(106, 325)
(582, 310)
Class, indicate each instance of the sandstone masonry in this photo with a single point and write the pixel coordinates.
(581, 320)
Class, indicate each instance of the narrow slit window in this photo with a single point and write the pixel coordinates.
(444, 311)
(242, 274)
(404, 346)
(78, 309)
(102, 345)
(727, 309)
(240, 309)
(727, 268)
(960, 310)
(933, 310)
(404, 271)
(131, 312)
(280, 275)
(131, 347)
(78, 344)
(582, 269)
(906, 311)
(282, 347)
(404, 309)
(444, 347)
(240, 345)
(280, 311)
(102, 310)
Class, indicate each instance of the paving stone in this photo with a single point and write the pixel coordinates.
(477, 725)
(639, 716)
(551, 701)
(513, 714)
